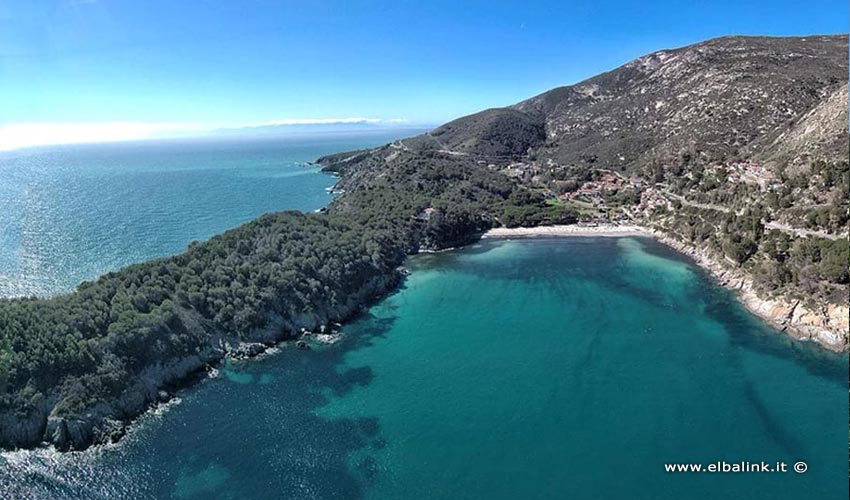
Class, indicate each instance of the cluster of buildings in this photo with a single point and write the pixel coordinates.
(523, 171)
(650, 200)
(751, 173)
(593, 194)
(593, 190)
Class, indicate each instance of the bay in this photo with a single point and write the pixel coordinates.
(552, 368)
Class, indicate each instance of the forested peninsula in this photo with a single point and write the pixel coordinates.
(736, 146)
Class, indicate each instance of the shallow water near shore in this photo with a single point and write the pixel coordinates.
(551, 368)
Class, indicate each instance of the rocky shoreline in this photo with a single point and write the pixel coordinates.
(109, 421)
(826, 325)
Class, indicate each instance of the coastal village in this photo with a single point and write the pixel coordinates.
(612, 197)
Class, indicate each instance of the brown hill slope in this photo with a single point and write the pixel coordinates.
(720, 99)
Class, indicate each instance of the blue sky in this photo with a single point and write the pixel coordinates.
(193, 63)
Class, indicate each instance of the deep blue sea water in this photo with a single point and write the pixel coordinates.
(570, 368)
(72, 213)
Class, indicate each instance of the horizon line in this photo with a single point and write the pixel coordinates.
(23, 135)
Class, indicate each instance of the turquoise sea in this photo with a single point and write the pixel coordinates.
(570, 368)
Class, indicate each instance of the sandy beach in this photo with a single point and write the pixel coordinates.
(568, 230)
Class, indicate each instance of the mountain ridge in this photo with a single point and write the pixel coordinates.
(622, 110)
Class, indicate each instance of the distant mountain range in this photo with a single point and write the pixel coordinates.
(308, 127)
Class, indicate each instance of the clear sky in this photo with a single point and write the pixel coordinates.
(179, 65)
